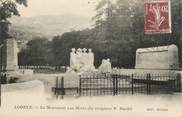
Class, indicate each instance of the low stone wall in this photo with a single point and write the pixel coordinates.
(26, 71)
(71, 80)
(145, 71)
(30, 86)
(31, 92)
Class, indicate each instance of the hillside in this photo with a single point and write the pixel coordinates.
(48, 26)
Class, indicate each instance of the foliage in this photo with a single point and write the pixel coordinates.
(117, 33)
(9, 8)
(36, 53)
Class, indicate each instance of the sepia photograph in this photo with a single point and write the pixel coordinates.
(77, 58)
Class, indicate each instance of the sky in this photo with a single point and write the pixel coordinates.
(58, 7)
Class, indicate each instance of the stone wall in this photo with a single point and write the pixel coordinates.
(31, 92)
(145, 71)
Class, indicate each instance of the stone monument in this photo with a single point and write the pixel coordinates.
(9, 50)
(105, 66)
(158, 58)
(81, 60)
(11, 54)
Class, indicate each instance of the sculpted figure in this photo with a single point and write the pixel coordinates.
(78, 58)
(84, 57)
(90, 57)
(72, 58)
(108, 66)
(105, 67)
(102, 66)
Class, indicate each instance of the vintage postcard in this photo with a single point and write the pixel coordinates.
(77, 58)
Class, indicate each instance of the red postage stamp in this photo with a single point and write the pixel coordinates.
(157, 16)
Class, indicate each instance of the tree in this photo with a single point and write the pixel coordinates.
(118, 31)
(61, 45)
(105, 23)
(104, 19)
(9, 8)
(36, 53)
(122, 31)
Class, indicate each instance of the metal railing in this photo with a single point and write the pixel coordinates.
(113, 84)
(129, 84)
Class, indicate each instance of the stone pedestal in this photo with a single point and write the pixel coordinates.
(10, 54)
(163, 57)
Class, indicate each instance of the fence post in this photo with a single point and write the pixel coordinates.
(132, 88)
(80, 85)
(116, 83)
(4, 79)
(56, 88)
(0, 83)
(62, 87)
(113, 85)
(148, 83)
(178, 78)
